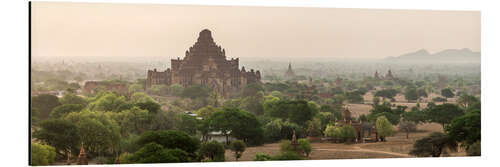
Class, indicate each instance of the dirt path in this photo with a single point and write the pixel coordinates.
(359, 149)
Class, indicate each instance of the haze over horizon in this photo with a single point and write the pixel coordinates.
(150, 30)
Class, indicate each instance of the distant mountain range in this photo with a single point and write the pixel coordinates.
(446, 56)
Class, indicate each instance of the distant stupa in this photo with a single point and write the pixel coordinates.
(82, 157)
(289, 74)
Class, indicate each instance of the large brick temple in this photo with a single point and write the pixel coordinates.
(205, 63)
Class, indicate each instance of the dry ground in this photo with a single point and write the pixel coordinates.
(396, 146)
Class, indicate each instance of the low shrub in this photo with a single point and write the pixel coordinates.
(262, 157)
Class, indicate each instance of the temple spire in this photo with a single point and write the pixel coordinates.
(82, 157)
(289, 74)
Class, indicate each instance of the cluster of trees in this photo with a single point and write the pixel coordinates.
(42, 154)
(341, 134)
(462, 124)
(106, 124)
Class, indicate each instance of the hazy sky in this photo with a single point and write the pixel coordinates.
(131, 30)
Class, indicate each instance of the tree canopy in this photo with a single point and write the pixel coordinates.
(386, 93)
(44, 104)
(466, 128)
(447, 92)
(42, 154)
(60, 133)
(384, 127)
(433, 145)
(238, 147)
(237, 123)
(212, 150)
(444, 113)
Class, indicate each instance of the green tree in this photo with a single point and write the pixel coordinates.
(393, 115)
(354, 97)
(447, 92)
(296, 111)
(241, 124)
(314, 127)
(272, 130)
(254, 104)
(151, 106)
(71, 98)
(348, 133)
(156, 153)
(44, 103)
(411, 93)
(433, 145)
(134, 88)
(62, 110)
(386, 93)
(466, 100)
(415, 115)
(187, 123)
(305, 146)
(212, 150)
(134, 120)
(332, 131)
(97, 131)
(238, 147)
(206, 112)
(141, 97)
(107, 102)
(61, 134)
(42, 154)
(444, 113)
(466, 128)
(384, 127)
(421, 93)
(170, 139)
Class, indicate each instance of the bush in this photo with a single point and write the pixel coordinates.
(348, 133)
(238, 147)
(439, 99)
(125, 158)
(305, 146)
(170, 139)
(314, 128)
(262, 157)
(156, 153)
(332, 131)
(288, 155)
(474, 149)
(286, 145)
(42, 154)
(212, 150)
